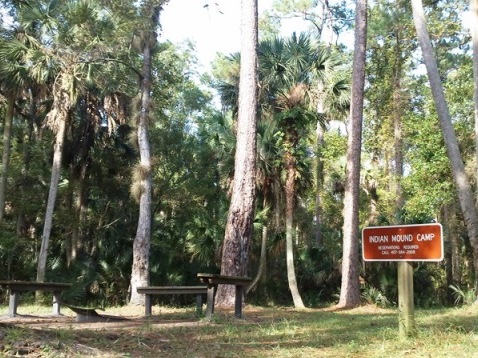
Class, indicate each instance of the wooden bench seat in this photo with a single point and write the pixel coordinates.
(16, 287)
(150, 291)
(213, 280)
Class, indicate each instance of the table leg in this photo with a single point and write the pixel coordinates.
(238, 302)
(210, 300)
(199, 304)
(13, 304)
(147, 305)
(56, 303)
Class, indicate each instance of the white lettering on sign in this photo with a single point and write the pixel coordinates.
(377, 239)
(389, 247)
(425, 237)
(402, 238)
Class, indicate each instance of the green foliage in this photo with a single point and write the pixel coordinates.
(465, 297)
(374, 296)
(193, 147)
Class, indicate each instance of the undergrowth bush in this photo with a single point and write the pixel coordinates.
(374, 296)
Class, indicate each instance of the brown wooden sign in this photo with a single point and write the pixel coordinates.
(421, 242)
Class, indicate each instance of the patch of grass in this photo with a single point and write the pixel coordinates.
(367, 331)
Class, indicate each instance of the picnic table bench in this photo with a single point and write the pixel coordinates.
(15, 287)
(213, 280)
(150, 291)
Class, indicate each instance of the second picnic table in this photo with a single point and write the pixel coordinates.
(15, 287)
(213, 280)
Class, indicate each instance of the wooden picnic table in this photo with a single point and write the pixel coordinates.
(213, 280)
(16, 287)
(150, 291)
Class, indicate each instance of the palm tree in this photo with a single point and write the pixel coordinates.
(286, 75)
(13, 77)
(268, 183)
(333, 103)
(289, 71)
(60, 48)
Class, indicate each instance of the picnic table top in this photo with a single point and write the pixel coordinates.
(171, 289)
(33, 285)
(218, 278)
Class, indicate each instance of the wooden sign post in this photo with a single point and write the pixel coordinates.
(405, 244)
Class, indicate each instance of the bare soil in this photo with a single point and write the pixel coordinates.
(127, 333)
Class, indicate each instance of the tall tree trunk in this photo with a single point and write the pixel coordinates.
(319, 183)
(80, 181)
(55, 178)
(57, 119)
(465, 194)
(397, 129)
(289, 236)
(350, 289)
(7, 136)
(238, 233)
(142, 241)
(80, 195)
(474, 38)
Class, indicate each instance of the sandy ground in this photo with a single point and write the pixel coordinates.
(114, 318)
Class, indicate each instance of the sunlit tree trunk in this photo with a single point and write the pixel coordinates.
(350, 290)
(319, 183)
(142, 241)
(239, 230)
(464, 191)
(289, 235)
(62, 106)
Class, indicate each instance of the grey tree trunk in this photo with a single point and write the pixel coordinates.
(55, 178)
(7, 136)
(289, 236)
(320, 183)
(238, 233)
(474, 39)
(350, 290)
(464, 191)
(142, 241)
(263, 260)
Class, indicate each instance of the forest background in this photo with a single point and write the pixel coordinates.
(89, 52)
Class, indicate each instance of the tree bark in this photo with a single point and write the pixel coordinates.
(142, 241)
(474, 39)
(80, 195)
(55, 178)
(289, 236)
(7, 135)
(397, 127)
(350, 290)
(320, 184)
(238, 233)
(464, 191)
